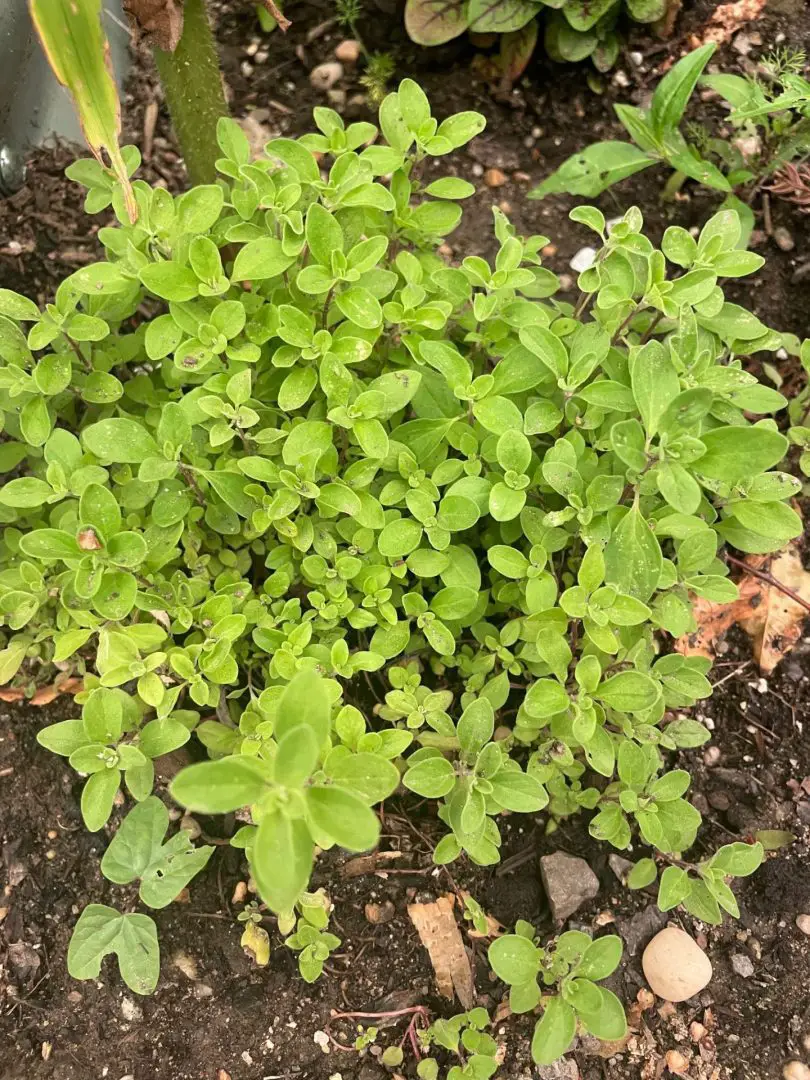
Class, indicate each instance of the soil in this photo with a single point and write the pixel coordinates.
(215, 1014)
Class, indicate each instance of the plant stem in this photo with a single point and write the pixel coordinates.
(192, 82)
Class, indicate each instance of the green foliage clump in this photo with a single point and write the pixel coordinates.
(464, 1036)
(286, 481)
(574, 29)
(573, 965)
(771, 121)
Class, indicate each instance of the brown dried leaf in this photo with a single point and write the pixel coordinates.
(160, 20)
(726, 20)
(771, 618)
(439, 933)
(368, 864)
(775, 625)
(45, 695)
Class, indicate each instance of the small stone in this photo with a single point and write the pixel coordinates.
(495, 178)
(246, 68)
(324, 76)
(477, 170)
(348, 51)
(247, 1057)
(322, 1040)
(187, 964)
(637, 58)
(569, 882)
(337, 97)
(239, 892)
(566, 282)
(675, 966)
(521, 177)
(445, 250)
(380, 913)
(696, 1031)
(620, 79)
(795, 1070)
(743, 965)
(676, 1062)
(130, 1011)
(548, 251)
(583, 260)
(781, 354)
(803, 923)
(202, 991)
(563, 1069)
(783, 238)
(621, 867)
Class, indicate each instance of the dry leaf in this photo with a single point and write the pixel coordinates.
(769, 616)
(160, 20)
(726, 20)
(368, 864)
(256, 943)
(45, 695)
(439, 933)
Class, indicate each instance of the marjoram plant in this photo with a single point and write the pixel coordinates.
(275, 462)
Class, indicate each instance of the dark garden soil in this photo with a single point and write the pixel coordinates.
(215, 1014)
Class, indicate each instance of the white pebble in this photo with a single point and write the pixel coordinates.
(583, 260)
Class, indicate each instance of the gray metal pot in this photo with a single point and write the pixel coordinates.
(34, 108)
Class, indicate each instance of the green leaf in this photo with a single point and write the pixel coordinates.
(343, 817)
(281, 860)
(360, 307)
(102, 930)
(499, 16)
(120, 440)
(555, 1031)
(97, 798)
(736, 453)
(432, 778)
(368, 775)
(305, 701)
(673, 92)
(137, 851)
(608, 1020)
(674, 887)
(476, 725)
(25, 492)
(738, 860)
(633, 559)
(601, 958)
(629, 691)
(655, 383)
(518, 792)
(261, 259)
(219, 787)
(514, 959)
(643, 874)
(594, 170)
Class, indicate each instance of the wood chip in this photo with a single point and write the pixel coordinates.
(440, 935)
(726, 20)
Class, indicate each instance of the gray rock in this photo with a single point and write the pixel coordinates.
(742, 965)
(621, 867)
(568, 881)
(638, 929)
(563, 1069)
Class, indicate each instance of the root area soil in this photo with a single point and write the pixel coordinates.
(215, 1015)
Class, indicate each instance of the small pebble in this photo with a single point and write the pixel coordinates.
(377, 914)
(583, 260)
(675, 966)
(803, 923)
(348, 51)
(477, 169)
(696, 1031)
(795, 1070)
(494, 178)
(620, 79)
(324, 76)
(322, 1040)
(637, 58)
(783, 238)
(202, 990)
(129, 1010)
(676, 1062)
(743, 965)
(337, 97)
